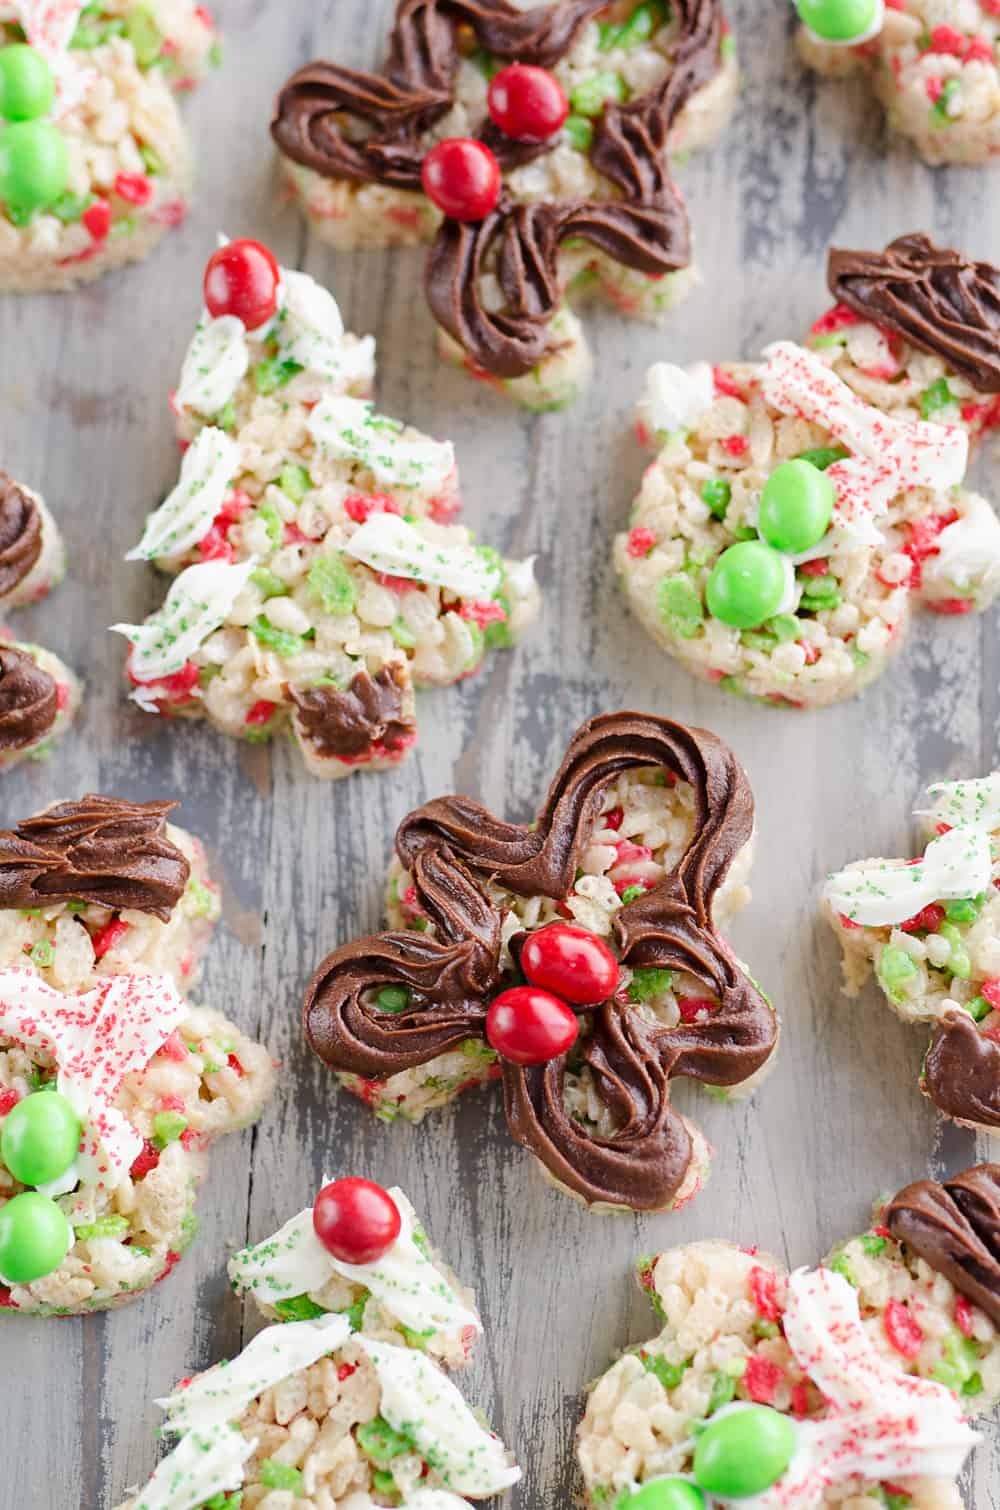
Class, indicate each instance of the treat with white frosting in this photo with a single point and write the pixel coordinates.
(318, 574)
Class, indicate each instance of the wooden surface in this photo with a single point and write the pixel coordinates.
(83, 385)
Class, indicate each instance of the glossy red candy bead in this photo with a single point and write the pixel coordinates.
(528, 1026)
(462, 177)
(570, 962)
(242, 279)
(356, 1220)
(527, 103)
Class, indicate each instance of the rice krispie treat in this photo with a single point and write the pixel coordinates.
(93, 158)
(846, 1386)
(932, 64)
(801, 507)
(329, 1412)
(930, 930)
(319, 574)
(108, 1101)
(575, 958)
(104, 887)
(361, 1251)
(530, 144)
(32, 553)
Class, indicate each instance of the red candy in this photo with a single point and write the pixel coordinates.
(356, 1220)
(527, 103)
(528, 1026)
(902, 1330)
(462, 177)
(242, 279)
(571, 963)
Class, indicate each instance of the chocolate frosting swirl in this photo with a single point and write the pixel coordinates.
(645, 227)
(933, 296)
(452, 847)
(20, 534)
(349, 722)
(962, 1071)
(29, 699)
(955, 1227)
(100, 849)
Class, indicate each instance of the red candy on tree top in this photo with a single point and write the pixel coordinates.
(242, 279)
(356, 1220)
(462, 177)
(528, 104)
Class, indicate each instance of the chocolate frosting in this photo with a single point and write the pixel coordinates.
(20, 534)
(955, 1227)
(645, 227)
(100, 849)
(349, 722)
(931, 295)
(962, 1071)
(29, 699)
(452, 847)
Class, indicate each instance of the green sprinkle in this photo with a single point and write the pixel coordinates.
(380, 1443)
(330, 582)
(152, 161)
(936, 397)
(273, 373)
(942, 112)
(580, 132)
(280, 1476)
(895, 970)
(43, 954)
(959, 963)
(215, 55)
(717, 495)
(402, 634)
(645, 984)
(590, 96)
(723, 1390)
(840, 1266)
(872, 1244)
(355, 1313)
(167, 1127)
(678, 604)
(298, 1308)
(393, 999)
(295, 482)
(281, 641)
(107, 1226)
(669, 1374)
(822, 457)
(964, 909)
(270, 584)
(978, 1008)
(632, 894)
(144, 34)
(644, 21)
(784, 627)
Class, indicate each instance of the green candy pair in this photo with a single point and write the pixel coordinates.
(34, 161)
(38, 1143)
(738, 1455)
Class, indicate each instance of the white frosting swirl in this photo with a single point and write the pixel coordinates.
(201, 1465)
(349, 429)
(197, 603)
(215, 364)
(880, 893)
(386, 543)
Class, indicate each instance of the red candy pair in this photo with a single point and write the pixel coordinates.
(564, 964)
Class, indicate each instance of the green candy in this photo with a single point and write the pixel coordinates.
(34, 1238)
(665, 1494)
(27, 88)
(796, 506)
(747, 585)
(34, 166)
(838, 20)
(40, 1138)
(744, 1452)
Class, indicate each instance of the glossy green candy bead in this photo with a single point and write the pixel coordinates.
(27, 88)
(838, 20)
(747, 584)
(664, 1494)
(34, 166)
(796, 506)
(744, 1452)
(34, 1238)
(40, 1138)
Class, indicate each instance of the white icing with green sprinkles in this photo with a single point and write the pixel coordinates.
(197, 603)
(405, 1281)
(875, 894)
(350, 428)
(387, 543)
(183, 517)
(216, 362)
(201, 1465)
(976, 801)
(310, 332)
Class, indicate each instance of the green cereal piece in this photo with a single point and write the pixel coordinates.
(273, 522)
(106, 1226)
(959, 963)
(403, 635)
(380, 1442)
(295, 482)
(144, 34)
(269, 583)
(964, 909)
(822, 457)
(645, 984)
(330, 582)
(717, 495)
(591, 95)
(895, 970)
(167, 1127)
(678, 604)
(298, 1308)
(978, 1008)
(281, 1476)
(272, 374)
(785, 627)
(42, 954)
(393, 999)
(580, 132)
(937, 396)
(281, 641)
(723, 1391)
(669, 1374)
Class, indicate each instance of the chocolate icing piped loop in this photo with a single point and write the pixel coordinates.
(955, 1227)
(20, 534)
(349, 721)
(933, 296)
(100, 849)
(453, 849)
(29, 699)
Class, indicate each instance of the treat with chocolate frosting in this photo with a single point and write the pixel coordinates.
(29, 700)
(636, 218)
(355, 720)
(444, 980)
(934, 297)
(100, 849)
(955, 1227)
(20, 534)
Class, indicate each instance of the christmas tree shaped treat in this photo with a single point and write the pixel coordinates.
(932, 66)
(847, 1385)
(336, 1407)
(531, 147)
(362, 1251)
(108, 1102)
(93, 157)
(318, 573)
(800, 507)
(575, 958)
(929, 929)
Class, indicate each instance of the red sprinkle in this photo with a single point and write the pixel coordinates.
(175, 1048)
(613, 819)
(107, 937)
(761, 1378)
(691, 1007)
(8, 1101)
(97, 219)
(726, 385)
(735, 445)
(963, 1315)
(483, 613)
(640, 542)
(147, 1160)
(346, 1370)
(764, 1289)
(134, 188)
(261, 713)
(902, 1329)
(930, 918)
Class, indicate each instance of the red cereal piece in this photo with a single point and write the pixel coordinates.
(346, 1370)
(800, 1400)
(902, 1329)
(640, 542)
(107, 937)
(613, 819)
(846, 922)
(810, 651)
(172, 1104)
(837, 318)
(991, 990)
(761, 1378)
(692, 1007)
(235, 1066)
(175, 1048)
(97, 219)
(934, 88)
(483, 613)
(725, 386)
(735, 445)
(951, 605)
(930, 918)
(963, 1315)
(817, 567)
(764, 1290)
(145, 1161)
(948, 40)
(261, 713)
(359, 507)
(134, 188)
(8, 1101)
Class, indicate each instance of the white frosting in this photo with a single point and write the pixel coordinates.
(224, 1393)
(883, 892)
(201, 1465)
(386, 543)
(968, 551)
(197, 603)
(973, 802)
(96, 1040)
(889, 455)
(350, 429)
(676, 397)
(792, 591)
(214, 365)
(185, 515)
(311, 332)
(418, 1399)
(405, 1281)
(878, 21)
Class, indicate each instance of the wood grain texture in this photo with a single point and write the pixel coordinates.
(83, 382)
